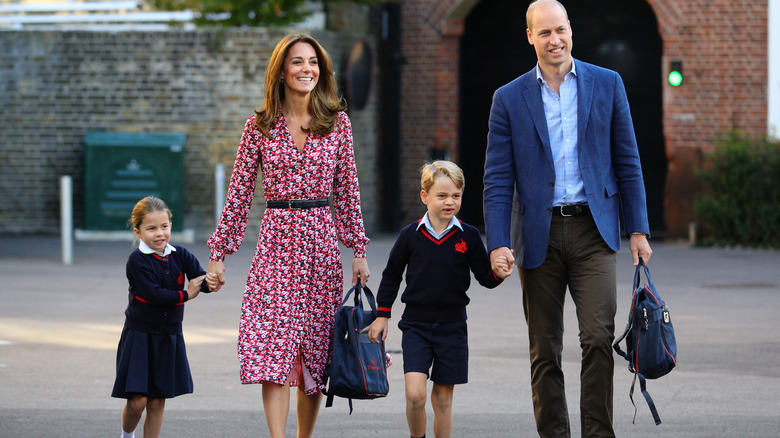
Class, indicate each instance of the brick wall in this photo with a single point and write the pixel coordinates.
(54, 86)
(57, 85)
(722, 44)
(429, 108)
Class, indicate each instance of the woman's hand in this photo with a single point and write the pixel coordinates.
(215, 276)
(360, 269)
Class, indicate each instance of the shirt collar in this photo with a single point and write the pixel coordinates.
(144, 248)
(541, 80)
(454, 222)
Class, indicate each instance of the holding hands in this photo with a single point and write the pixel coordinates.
(502, 262)
(193, 289)
(215, 276)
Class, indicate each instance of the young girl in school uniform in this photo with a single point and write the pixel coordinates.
(151, 360)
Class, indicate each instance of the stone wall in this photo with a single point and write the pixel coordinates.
(57, 85)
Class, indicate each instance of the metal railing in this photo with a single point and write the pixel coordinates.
(19, 15)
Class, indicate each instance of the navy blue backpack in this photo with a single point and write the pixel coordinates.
(651, 348)
(357, 368)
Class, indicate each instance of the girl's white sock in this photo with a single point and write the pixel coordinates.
(128, 434)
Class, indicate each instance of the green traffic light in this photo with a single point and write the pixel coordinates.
(675, 78)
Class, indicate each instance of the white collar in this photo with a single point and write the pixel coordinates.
(454, 222)
(144, 248)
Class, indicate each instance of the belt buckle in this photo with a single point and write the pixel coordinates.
(290, 204)
(562, 213)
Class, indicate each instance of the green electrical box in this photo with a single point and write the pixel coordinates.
(122, 168)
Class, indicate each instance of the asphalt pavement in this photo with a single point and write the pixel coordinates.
(59, 326)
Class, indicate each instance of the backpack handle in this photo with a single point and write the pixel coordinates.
(358, 300)
(642, 267)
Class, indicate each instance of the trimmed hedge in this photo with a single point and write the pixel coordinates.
(741, 204)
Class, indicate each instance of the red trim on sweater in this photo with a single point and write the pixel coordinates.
(435, 240)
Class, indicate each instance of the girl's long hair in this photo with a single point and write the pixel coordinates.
(325, 101)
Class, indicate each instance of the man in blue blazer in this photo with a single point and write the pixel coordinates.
(561, 166)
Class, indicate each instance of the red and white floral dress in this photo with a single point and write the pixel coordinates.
(295, 282)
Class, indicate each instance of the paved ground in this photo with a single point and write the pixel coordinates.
(59, 326)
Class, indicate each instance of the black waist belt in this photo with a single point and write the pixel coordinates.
(571, 210)
(297, 204)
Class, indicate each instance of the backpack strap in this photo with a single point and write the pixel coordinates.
(648, 399)
(616, 344)
(329, 402)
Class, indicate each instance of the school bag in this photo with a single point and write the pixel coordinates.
(651, 348)
(357, 369)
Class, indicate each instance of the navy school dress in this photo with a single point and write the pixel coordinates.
(151, 359)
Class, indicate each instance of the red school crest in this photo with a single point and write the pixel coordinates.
(461, 246)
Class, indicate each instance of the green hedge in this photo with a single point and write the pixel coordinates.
(741, 204)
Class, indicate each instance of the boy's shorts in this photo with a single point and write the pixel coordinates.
(446, 346)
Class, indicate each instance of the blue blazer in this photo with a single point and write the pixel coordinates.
(519, 174)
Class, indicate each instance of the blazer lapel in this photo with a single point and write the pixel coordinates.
(584, 100)
(533, 98)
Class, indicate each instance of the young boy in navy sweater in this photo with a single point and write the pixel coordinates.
(437, 252)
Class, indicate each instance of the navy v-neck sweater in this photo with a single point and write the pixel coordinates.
(438, 273)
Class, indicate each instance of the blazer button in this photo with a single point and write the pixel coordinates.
(552, 184)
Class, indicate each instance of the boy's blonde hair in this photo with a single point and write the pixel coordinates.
(433, 171)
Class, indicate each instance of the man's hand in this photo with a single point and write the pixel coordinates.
(640, 247)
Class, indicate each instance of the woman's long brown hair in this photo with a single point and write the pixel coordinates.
(325, 101)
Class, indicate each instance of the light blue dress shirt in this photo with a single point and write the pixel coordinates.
(560, 110)
(454, 222)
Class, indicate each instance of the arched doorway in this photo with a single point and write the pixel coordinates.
(618, 34)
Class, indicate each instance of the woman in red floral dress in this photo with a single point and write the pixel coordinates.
(301, 141)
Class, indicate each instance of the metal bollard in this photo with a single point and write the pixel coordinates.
(66, 218)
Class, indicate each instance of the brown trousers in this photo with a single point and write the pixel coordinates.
(579, 258)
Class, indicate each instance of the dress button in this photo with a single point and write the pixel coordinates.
(552, 184)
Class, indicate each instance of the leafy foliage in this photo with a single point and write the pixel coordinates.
(236, 13)
(742, 202)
